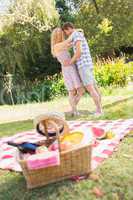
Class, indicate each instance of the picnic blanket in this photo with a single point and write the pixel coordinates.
(101, 149)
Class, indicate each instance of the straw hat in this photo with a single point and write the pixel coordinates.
(43, 125)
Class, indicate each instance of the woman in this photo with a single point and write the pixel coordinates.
(59, 48)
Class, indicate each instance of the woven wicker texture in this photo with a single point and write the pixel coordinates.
(72, 162)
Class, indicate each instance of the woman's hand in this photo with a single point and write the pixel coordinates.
(67, 63)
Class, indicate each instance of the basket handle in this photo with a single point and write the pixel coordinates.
(56, 130)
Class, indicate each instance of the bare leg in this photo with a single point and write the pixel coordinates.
(95, 96)
(98, 92)
(72, 101)
(74, 98)
(80, 92)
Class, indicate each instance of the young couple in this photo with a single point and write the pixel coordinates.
(77, 70)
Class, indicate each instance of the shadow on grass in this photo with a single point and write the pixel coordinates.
(120, 111)
(13, 186)
(84, 114)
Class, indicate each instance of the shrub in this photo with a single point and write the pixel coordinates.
(130, 68)
(111, 73)
(40, 91)
(58, 88)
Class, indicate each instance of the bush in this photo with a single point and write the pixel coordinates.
(112, 73)
(40, 91)
(130, 68)
(58, 88)
(108, 73)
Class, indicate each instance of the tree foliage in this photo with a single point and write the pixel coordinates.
(110, 29)
(25, 37)
(25, 32)
(65, 10)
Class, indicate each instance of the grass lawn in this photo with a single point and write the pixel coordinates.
(115, 175)
(29, 111)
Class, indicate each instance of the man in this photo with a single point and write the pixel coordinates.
(83, 60)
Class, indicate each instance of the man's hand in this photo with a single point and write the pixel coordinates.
(77, 54)
(69, 45)
(67, 63)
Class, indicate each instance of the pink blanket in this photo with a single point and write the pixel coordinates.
(101, 149)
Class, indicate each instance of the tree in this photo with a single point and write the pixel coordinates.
(78, 3)
(96, 6)
(24, 35)
(109, 30)
(64, 10)
(41, 14)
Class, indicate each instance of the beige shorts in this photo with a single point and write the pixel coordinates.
(87, 75)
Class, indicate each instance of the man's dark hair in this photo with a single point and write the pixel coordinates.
(67, 25)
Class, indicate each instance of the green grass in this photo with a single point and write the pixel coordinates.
(121, 110)
(60, 104)
(116, 174)
(15, 127)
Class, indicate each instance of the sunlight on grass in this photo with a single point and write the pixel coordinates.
(15, 127)
(122, 110)
(61, 104)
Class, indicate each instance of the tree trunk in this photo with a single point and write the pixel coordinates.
(96, 6)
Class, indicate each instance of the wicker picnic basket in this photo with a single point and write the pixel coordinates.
(72, 163)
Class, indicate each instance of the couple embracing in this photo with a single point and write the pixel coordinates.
(77, 70)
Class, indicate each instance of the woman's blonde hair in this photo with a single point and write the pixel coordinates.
(57, 36)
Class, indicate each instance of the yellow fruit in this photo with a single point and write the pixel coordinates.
(109, 135)
(74, 137)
